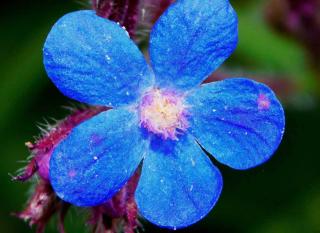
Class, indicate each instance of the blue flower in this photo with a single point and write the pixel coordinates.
(161, 116)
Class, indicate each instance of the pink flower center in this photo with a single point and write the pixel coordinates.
(163, 113)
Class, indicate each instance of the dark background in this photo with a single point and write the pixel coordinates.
(282, 195)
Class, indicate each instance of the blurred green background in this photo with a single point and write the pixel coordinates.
(282, 195)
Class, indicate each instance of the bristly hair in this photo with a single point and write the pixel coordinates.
(137, 16)
(51, 134)
(124, 12)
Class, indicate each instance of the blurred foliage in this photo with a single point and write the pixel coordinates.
(282, 195)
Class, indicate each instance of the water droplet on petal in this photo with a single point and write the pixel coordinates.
(193, 162)
(108, 58)
(61, 195)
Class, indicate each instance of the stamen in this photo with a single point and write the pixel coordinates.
(164, 113)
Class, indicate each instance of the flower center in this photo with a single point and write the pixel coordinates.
(164, 113)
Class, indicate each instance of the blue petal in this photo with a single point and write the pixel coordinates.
(97, 158)
(192, 39)
(239, 121)
(93, 60)
(179, 185)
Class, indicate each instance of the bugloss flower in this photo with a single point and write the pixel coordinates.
(161, 115)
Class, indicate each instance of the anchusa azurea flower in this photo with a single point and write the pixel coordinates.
(162, 118)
